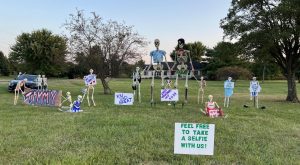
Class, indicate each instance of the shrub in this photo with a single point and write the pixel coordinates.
(234, 72)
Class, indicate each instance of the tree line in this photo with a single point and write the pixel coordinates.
(266, 33)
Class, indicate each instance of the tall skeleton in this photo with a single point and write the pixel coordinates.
(157, 57)
(182, 57)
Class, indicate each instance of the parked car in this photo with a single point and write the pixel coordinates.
(32, 82)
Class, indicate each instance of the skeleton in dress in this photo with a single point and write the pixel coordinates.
(157, 57)
(228, 90)
(76, 104)
(254, 90)
(19, 86)
(90, 87)
(182, 57)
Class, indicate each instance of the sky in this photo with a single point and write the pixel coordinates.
(167, 20)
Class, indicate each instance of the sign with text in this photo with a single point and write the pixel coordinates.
(194, 138)
(169, 95)
(124, 98)
(43, 97)
(90, 79)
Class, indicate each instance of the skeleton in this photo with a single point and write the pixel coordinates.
(157, 57)
(228, 87)
(136, 83)
(90, 87)
(68, 98)
(18, 88)
(44, 82)
(76, 104)
(182, 57)
(254, 90)
(202, 85)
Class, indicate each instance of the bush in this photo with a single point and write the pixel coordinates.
(234, 72)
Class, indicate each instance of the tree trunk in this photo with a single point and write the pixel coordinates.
(105, 85)
(292, 90)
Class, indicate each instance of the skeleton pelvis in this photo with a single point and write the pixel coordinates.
(182, 67)
(158, 67)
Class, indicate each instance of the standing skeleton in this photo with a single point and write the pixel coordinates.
(254, 90)
(157, 57)
(202, 85)
(136, 83)
(182, 57)
(228, 89)
(90, 82)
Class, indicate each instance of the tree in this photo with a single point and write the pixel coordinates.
(115, 42)
(273, 25)
(197, 50)
(39, 52)
(4, 65)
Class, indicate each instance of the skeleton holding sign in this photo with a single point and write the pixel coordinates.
(90, 82)
(228, 87)
(254, 90)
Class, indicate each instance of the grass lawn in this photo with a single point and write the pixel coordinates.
(139, 134)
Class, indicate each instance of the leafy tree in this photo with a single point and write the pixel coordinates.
(4, 65)
(224, 54)
(39, 52)
(116, 43)
(272, 25)
(197, 50)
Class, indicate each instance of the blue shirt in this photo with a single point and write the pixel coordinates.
(157, 55)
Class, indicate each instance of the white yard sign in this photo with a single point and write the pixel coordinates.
(124, 98)
(194, 138)
(169, 95)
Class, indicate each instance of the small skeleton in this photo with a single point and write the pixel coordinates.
(68, 99)
(202, 85)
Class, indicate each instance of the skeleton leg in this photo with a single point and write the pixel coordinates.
(87, 96)
(199, 95)
(186, 88)
(202, 95)
(139, 94)
(162, 79)
(256, 101)
(16, 97)
(152, 87)
(176, 81)
(228, 99)
(93, 96)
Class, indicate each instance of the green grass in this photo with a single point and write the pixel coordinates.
(139, 134)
